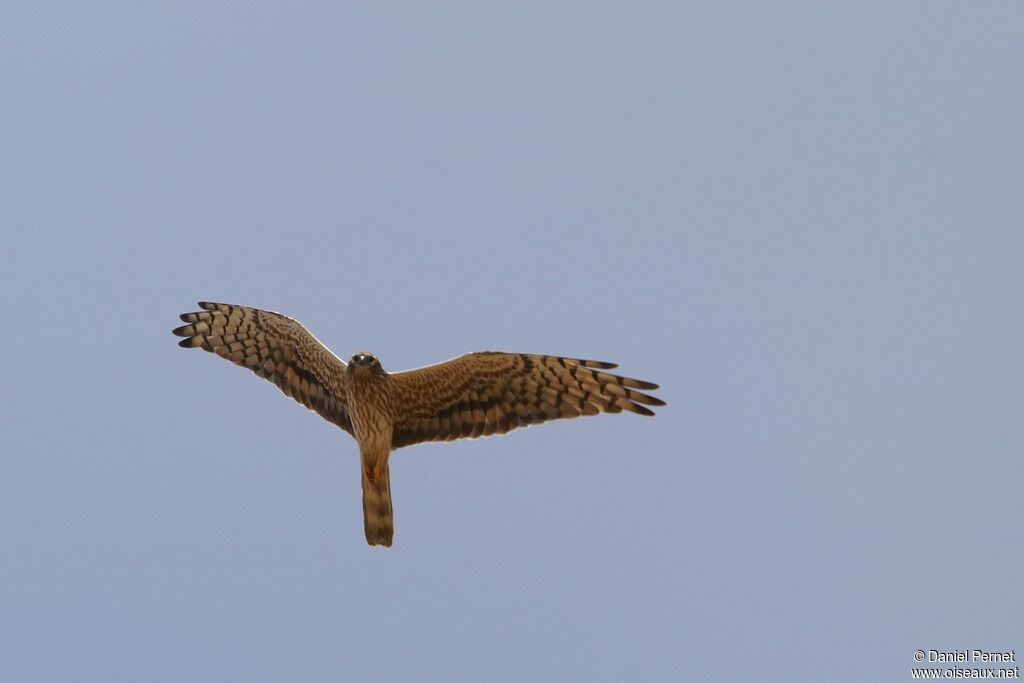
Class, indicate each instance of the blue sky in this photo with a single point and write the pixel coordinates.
(804, 222)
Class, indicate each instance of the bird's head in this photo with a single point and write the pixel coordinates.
(364, 363)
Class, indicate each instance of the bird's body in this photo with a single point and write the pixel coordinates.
(369, 395)
(477, 394)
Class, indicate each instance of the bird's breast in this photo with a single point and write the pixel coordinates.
(370, 409)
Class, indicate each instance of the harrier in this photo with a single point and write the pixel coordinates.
(478, 394)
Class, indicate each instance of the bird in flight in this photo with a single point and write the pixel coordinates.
(478, 394)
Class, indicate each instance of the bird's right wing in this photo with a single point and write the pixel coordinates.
(276, 348)
(486, 393)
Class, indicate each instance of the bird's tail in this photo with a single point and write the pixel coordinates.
(378, 518)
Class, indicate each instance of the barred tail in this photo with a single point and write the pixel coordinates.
(378, 518)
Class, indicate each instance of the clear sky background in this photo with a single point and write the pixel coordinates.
(804, 222)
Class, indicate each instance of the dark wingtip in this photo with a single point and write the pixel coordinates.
(640, 410)
(208, 305)
(181, 331)
(186, 343)
(586, 363)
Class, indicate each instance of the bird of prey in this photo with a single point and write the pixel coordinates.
(478, 394)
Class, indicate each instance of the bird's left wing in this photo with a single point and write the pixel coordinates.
(486, 393)
(276, 348)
